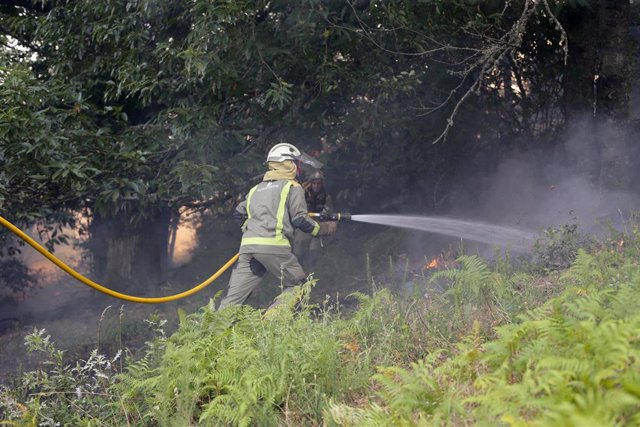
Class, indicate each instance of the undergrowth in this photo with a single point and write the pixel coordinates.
(473, 345)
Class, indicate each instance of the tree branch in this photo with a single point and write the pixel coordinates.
(30, 5)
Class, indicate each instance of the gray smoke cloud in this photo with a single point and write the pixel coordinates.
(587, 178)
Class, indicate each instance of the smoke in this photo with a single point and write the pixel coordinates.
(588, 178)
(584, 176)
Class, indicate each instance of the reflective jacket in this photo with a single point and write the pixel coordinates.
(273, 209)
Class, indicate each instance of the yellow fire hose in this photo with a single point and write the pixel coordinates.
(15, 230)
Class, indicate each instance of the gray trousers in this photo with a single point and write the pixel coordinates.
(307, 249)
(249, 272)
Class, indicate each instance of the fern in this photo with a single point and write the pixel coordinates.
(471, 281)
(585, 272)
(572, 360)
(240, 366)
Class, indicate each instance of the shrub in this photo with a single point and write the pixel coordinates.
(557, 248)
(57, 394)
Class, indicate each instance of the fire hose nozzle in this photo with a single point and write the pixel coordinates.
(338, 216)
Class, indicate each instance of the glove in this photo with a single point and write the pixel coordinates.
(328, 228)
(326, 210)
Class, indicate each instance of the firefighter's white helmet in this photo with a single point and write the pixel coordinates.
(283, 151)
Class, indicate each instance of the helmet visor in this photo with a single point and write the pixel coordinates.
(308, 160)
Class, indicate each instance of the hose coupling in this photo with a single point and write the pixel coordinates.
(338, 216)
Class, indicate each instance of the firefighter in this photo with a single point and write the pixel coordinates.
(305, 247)
(271, 212)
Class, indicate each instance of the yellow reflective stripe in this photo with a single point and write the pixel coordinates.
(316, 229)
(253, 190)
(279, 239)
(270, 241)
(281, 210)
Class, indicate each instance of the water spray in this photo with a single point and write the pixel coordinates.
(472, 230)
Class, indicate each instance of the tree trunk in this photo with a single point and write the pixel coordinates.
(597, 79)
(597, 87)
(130, 258)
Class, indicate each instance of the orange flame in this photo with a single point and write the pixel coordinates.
(432, 264)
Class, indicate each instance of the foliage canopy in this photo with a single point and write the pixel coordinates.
(133, 106)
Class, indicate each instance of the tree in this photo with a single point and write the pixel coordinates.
(597, 84)
(131, 110)
(142, 107)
